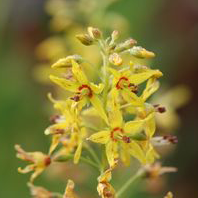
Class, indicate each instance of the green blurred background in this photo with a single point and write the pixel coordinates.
(170, 28)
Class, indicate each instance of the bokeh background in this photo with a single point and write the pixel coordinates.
(170, 28)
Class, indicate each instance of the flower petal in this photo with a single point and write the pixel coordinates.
(27, 169)
(97, 88)
(141, 77)
(111, 152)
(151, 87)
(69, 192)
(54, 144)
(101, 137)
(136, 151)
(78, 153)
(96, 102)
(78, 73)
(125, 155)
(132, 98)
(133, 126)
(64, 83)
(150, 125)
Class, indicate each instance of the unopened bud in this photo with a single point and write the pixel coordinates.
(115, 59)
(140, 52)
(115, 35)
(67, 62)
(85, 39)
(94, 33)
(125, 45)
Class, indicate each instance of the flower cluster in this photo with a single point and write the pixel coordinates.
(112, 110)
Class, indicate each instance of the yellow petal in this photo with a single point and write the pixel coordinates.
(125, 155)
(54, 144)
(101, 137)
(111, 152)
(69, 192)
(115, 119)
(133, 126)
(150, 125)
(151, 154)
(136, 151)
(132, 98)
(65, 84)
(78, 73)
(141, 77)
(151, 87)
(96, 102)
(97, 89)
(115, 73)
(78, 153)
(36, 173)
(27, 169)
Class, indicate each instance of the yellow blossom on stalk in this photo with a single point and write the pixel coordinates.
(117, 137)
(84, 90)
(111, 112)
(126, 82)
(39, 162)
(67, 129)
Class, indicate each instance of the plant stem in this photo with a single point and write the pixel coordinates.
(95, 157)
(132, 179)
(105, 58)
(71, 156)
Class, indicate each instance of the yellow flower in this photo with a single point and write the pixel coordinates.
(69, 192)
(118, 135)
(39, 162)
(105, 189)
(67, 129)
(126, 83)
(83, 89)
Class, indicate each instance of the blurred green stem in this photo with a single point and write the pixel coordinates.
(138, 175)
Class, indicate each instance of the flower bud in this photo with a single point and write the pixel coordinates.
(115, 35)
(140, 52)
(85, 39)
(115, 59)
(94, 33)
(67, 62)
(125, 45)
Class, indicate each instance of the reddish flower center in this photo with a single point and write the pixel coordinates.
(121, 82)
(115, 133)
(87, 88)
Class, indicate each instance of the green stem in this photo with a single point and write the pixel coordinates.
(132, 179)
(64, 158)
(105, 58)
(95, 157)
